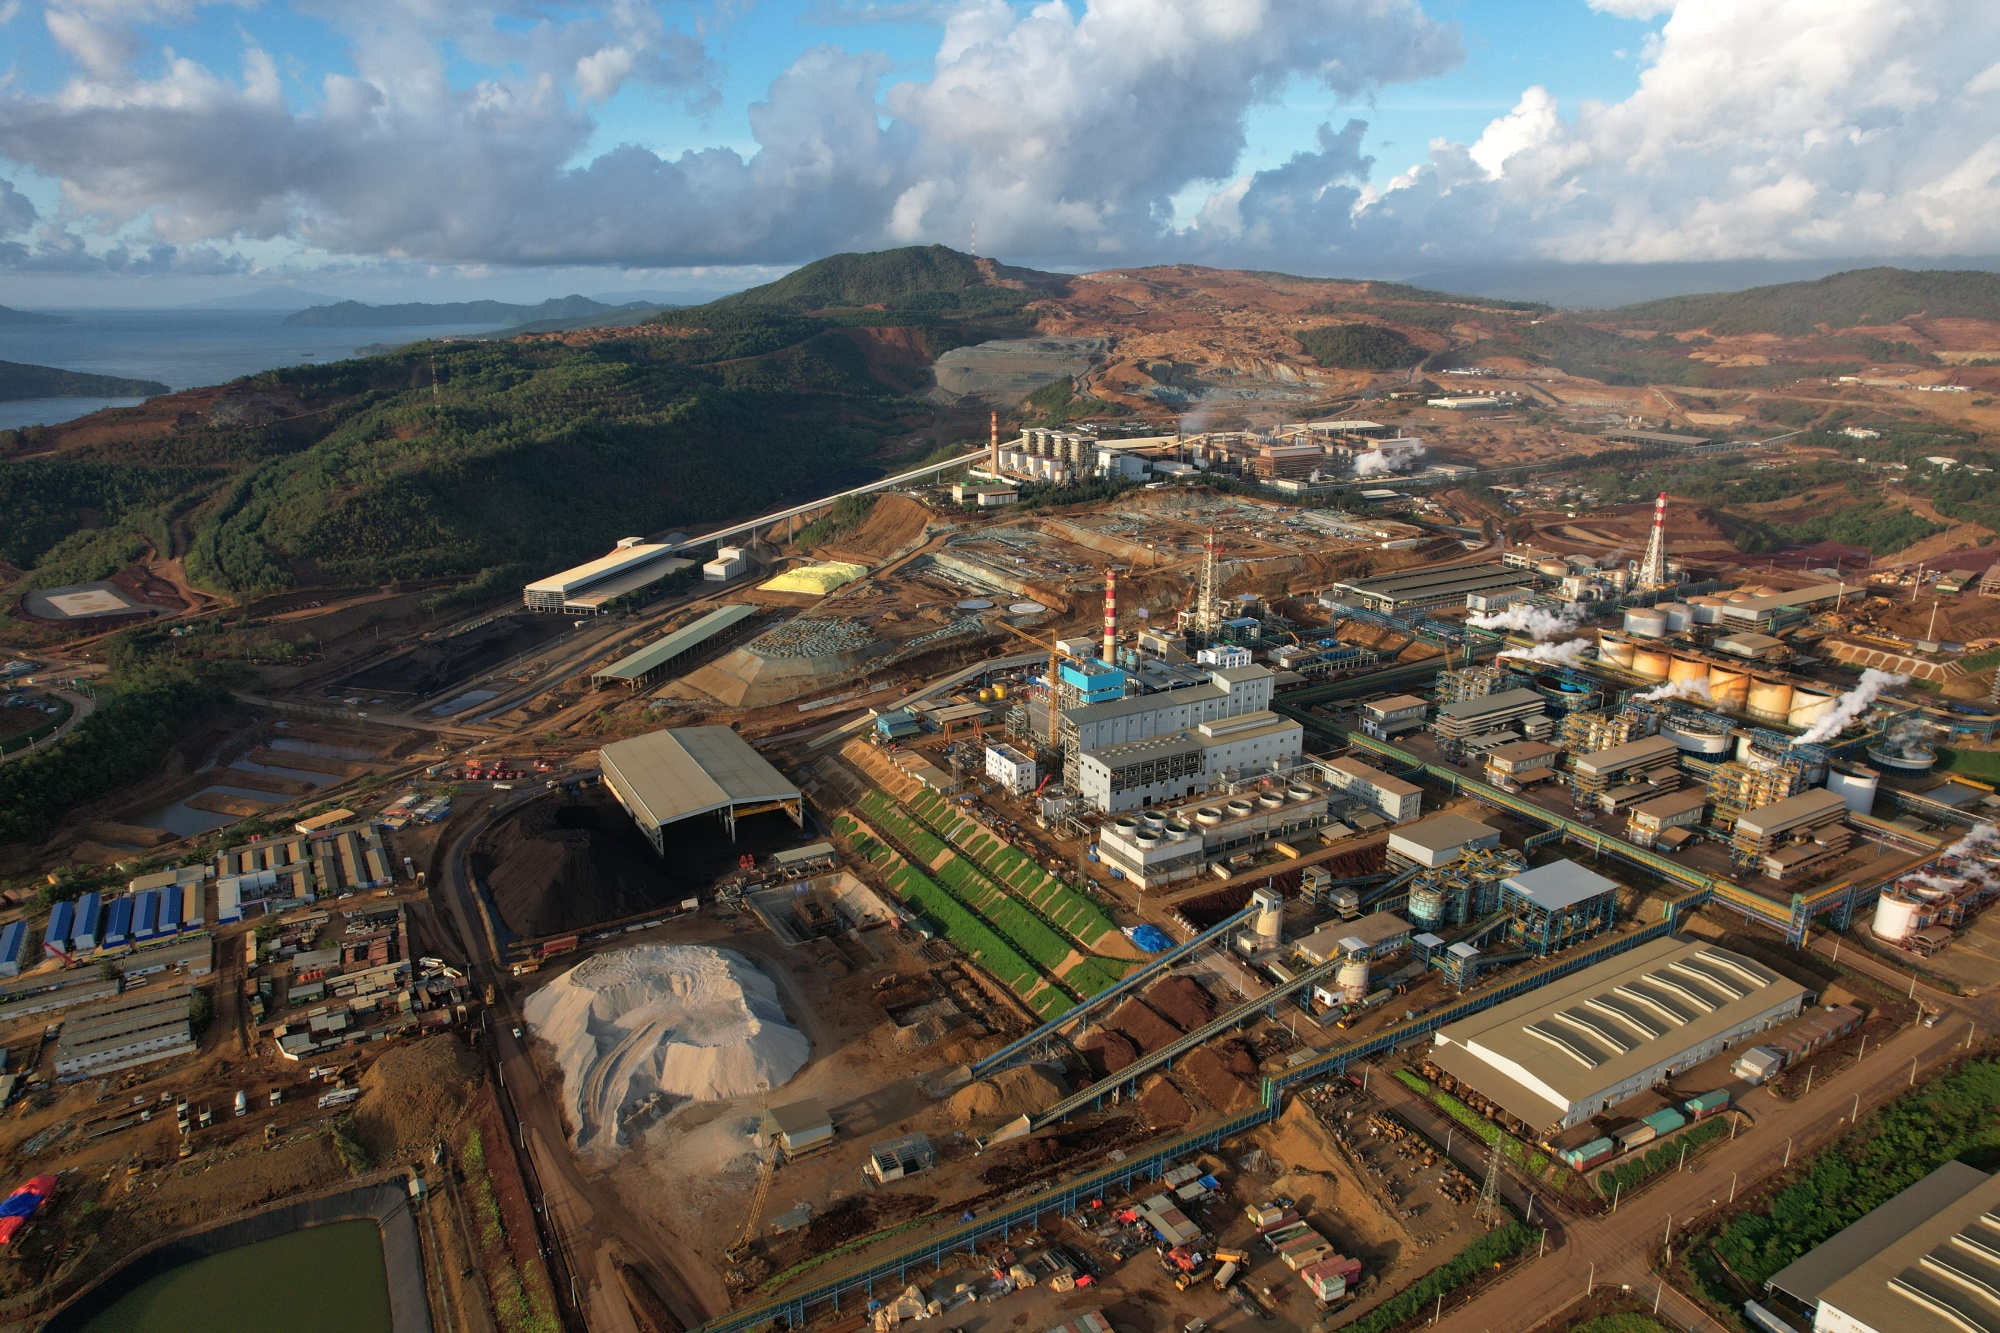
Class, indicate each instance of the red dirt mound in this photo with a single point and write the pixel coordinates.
(1182, 1000)
(1148, 1031)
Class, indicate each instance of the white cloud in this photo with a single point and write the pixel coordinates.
(1064, 132)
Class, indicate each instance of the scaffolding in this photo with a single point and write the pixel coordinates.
(1736, 788)
(1542, 930)
(1463, 891)
(1477, 682)
(1587, 733)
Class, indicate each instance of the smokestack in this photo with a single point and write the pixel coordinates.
(993, 459)
(1111, 616)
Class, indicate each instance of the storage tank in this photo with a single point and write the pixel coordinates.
(1679, 615)
(1648, 622)
(999, 691)
(1618, 652)
(1807, 708)
(1856, 786)
(1352, 980)
(986, 696)
(1729, 689)
(1705, 610)
(1769, 699)
(1426, 908)
(1652, 663)
(1903, 760)
(1270, 920)
(1687, 668)
(1554, 569)
(1896, 918)
(1699, 739)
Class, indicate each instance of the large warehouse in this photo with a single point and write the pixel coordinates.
(591, 587)
(1559, 1055)
(667, 776)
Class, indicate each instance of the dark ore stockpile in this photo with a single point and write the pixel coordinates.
(555, 866)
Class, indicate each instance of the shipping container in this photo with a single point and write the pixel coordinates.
(1589, 1154)
(1633, 1135)
(1664, 1121)
(1706, 1105)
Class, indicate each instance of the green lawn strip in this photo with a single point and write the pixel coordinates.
(1535, 1163)
(1093, 976)
(964, 929)
(1628, 1175)
(1949, 1117)
(1420, 1297)
(1083, 919)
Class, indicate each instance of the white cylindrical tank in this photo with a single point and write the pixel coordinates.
(1679, 615)
(1352, 979)
(1648, 622)
(1856, 786)
(1706, 610)
(1270, 922)
(1895, 918)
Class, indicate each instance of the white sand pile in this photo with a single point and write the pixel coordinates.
(679, 1020)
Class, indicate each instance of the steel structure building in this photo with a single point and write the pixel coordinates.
(1410, 589)
(1553, 1059)
(667, 776)
(1556, 905)
(1625, 775)
(635, 669)
(1790, 835)
(588, 587)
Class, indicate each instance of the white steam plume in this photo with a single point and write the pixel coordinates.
(1566, 654)
(1852, 705)
(1681, 689)
(1534, 621)
(1375, 463)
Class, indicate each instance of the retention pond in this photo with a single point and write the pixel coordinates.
(324, 1279)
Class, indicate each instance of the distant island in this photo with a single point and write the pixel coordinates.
(19, 381)
(10, 316)
(355, 315)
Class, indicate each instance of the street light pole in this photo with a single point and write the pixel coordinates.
(1788, 1153)
(1732, 1187)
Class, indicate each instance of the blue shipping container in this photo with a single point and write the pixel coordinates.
(1664, 1122)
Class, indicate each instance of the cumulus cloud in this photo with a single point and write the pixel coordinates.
(1064, 131)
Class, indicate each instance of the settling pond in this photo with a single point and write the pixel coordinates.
(321, 1279)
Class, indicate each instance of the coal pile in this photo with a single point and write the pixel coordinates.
(555, 867)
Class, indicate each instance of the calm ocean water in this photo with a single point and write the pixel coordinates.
(181, 348)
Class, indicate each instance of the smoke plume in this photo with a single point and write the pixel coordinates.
(1565, 654)
(1534, 621)
(1375, 463)
(1852, 705)
(1681, 689)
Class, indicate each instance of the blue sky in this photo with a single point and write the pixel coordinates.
(177, 147)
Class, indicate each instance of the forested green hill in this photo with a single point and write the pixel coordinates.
(1858, 298)
(19, 380)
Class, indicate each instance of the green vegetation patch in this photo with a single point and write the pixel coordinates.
(1949, 1118)
(1359, 347)
(1868, 296)
(1084, 920)
(1629, 1175)
(1476, 1259)
(1535, 1163)
(19, 380)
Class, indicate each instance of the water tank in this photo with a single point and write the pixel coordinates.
(1615, 651)
(1769, 699)
(1555, 569)
(1907, 760)
(1647, 622)
(1695, 738)
(1426, 908)
(1807, 708)
(1729, 689)
(1896, 918)
(999, 691)
(1652, 663)
(1856, 786)
(1705, 610)
(1679, 615)
(1351, 977)
(986, 696)
(1687, 668)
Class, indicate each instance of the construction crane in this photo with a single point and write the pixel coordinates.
(1056, 655)
(740, 1251)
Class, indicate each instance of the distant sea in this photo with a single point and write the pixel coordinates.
(181, 348)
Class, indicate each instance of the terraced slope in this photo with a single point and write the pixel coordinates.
(1083, 920)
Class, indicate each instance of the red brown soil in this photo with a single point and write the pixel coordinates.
(1221, 1073)
(1108, 1051)
(517, 1218)
(1148, 1031)
(1182, 1001)
(894, 522)
(1163, 1106)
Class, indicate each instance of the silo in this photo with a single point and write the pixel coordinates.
(1648, 622)
(1687, 668)
(1352, 979)
(1771, 699)
(1807, 708)
(1855, 785)
(1729, 689)
(1705, 610)
(1618, 652)
(1896, 918)
(1270, 922)
(1698, 739)
(1652, 663)
(1679, 615)
(1426, 908)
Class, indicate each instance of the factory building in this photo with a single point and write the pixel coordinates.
(1013, 770)
(1921, 1263)
(646, 665)
(1131, 775)
(1392, 798)
(1666, 823)
(1477, 682)
(1410, 590)
(1387, 718)
(1557, 905)
(591, 587)
(1624, 775)
(1374, 936)
(1522, 764)
(1584, 732)
(1457, 723)
(1439, 841)
(1165, 846)
(1789, 836)
(132, 1029)
(666, 776)
(1229, 692)
(1561, 1054)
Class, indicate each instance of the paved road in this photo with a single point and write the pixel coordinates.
(81, 706)
(1624, 1247)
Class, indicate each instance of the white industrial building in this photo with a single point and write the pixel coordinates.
(1230, 691)
(1165, 846)
(1559, 1055)
(1440, 840)
(589, 587)
(1392, 798)
(1924, 1262)
(729, 563)
(1012, 769)
(1132, 775)
(132, 1029)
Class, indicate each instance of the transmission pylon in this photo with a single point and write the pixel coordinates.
(1488, 1209)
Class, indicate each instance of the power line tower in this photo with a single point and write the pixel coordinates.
(1489, 1192)
(1653, 569)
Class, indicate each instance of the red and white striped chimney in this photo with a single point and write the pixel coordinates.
(1111, 616)
(993, 460)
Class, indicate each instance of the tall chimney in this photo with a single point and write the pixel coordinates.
(1111, 616)
(993, 460)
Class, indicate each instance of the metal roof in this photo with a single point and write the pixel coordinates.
(623, 557)
(1779, 815)
(657, 654)
(670, 775)
(1559, 884)
(1491, 703)
(1631, 752)
(1441, 833)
